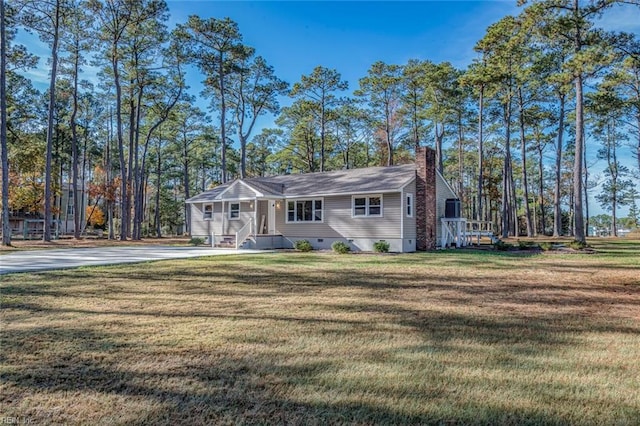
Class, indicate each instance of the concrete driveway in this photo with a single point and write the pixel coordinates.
(42, 260)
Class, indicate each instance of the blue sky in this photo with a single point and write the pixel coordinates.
(349, 36)
(295, 37)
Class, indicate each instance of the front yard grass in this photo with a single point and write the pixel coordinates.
(450, 337)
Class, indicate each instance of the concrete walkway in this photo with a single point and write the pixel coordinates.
(43, 260)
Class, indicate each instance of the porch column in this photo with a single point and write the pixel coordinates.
(255, 217)
(222, 221)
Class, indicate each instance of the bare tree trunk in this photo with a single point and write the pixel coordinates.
(110, 203)
(6, 226)
(322, 134)
(543, 225)
(460, 161)
(223, 118)
(579, 150)
(638, 147)
(523, 153)
(138, 170)
(158, 183)
(187, 184)
(74, 146)
(612, 159)
(585, 185)
(388, 136)
(439, 154)
(124, 204)
(132, 153)
(480, 153)
(46, 236)
(507, 178)
(83, 178)
(557, 213)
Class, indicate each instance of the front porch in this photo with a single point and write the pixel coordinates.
(237, 224)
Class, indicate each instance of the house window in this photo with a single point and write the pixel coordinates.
(409, 205)
(208, 211)
(367, 206)
(234, 210)
(70, 204)
(304, 211)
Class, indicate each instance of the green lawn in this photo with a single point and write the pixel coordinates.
(450, 337)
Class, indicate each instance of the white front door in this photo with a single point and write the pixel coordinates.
(272, 217)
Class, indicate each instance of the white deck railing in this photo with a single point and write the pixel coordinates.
(453, 232)
(477, 229)
(462, 232)
(244, 233)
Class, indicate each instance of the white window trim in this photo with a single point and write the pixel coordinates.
(295, 204)
(204, 212)
(409, 196)
(230, 211)
(366, 197)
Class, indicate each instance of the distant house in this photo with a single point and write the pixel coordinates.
(399, 204)
(30, 225)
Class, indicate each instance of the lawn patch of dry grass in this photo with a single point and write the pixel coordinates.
(453, 337)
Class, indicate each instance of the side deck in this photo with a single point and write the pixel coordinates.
(460, 232)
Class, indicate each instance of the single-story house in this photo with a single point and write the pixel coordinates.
(398, 204)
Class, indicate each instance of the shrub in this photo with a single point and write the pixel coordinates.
(526, 245)
(502, 246)
(381, 246)
(577, 245)
(196, 241)
(546, 246)
(340, 247)
(303, 245)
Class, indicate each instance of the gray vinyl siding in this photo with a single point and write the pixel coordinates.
(231, 226)
(339, 223)
(199, 226)
(238, 191)
(205, 227)
(409, 222)
(443, 191)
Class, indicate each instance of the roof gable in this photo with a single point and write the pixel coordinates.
(238, 189)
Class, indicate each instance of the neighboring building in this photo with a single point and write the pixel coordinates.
(30, 225)
(399, 204)
(67, 213)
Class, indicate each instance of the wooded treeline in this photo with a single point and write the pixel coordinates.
(512, 132)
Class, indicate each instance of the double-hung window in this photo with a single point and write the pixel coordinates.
(364, 206)
(234, 210)
(208, 211)
(70, 204)
(409, 205)
(304, 210)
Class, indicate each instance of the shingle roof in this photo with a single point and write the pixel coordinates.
(209, 195)
(351, 181)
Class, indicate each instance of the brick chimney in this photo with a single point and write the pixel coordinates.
(426, 221)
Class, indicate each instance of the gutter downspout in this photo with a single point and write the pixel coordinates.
(402, 212)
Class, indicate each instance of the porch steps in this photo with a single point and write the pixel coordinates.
(228, 241)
